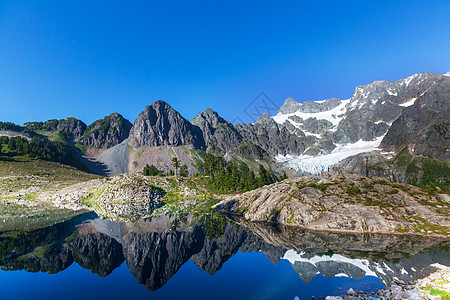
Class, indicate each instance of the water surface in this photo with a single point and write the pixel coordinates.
(202, 258)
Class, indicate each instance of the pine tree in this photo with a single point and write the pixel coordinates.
(184, 171)
(176, 164)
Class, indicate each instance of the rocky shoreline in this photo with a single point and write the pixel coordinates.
(344, 203)
(435, 286)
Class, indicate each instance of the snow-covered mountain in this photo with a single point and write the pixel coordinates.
(348, 127)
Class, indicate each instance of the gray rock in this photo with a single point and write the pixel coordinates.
(107, 132)
(352, 292)
(291, 106)
(220, 136)
(161, 125)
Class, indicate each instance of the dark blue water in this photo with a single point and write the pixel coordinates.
(245, 276)
(98, 259)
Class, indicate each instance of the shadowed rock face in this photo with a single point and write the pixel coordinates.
(107, 132)
(73, 126)
(220, 136)
(275, 138)
(425, 125)
(161, 125)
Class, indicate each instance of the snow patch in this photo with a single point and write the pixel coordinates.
(392, 93)
(408, 80)
(292, 256)
(380, 270)
(331, 115)
(322, 163)
(409, 103)
(312, 134)
(439, 266)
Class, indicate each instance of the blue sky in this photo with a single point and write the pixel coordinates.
(87, 59)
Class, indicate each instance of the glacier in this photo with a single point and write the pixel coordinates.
(322, 163)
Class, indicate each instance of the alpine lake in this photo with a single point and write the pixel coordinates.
(79, 255)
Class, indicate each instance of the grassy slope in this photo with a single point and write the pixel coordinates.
(21, 179)
(20, 175)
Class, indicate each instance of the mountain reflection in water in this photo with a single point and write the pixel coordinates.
(155, 250)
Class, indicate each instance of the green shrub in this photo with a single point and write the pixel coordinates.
(322, 186)
(392, 192)
(352, 189)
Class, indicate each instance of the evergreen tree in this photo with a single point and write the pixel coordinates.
(151, 171)
(264, 177)
(176, 164)
(184, 171)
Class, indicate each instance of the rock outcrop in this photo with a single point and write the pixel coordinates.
(343, 203)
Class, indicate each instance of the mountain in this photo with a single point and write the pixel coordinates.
(107, 132)
(416, 147)
(424, 126)
(161, 125)
(303, 138)
(69, 129)
(219, 135)
(373, 107)
(275, 138)
(343, 128)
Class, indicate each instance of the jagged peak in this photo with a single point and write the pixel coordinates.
(161, 103)
(264, 119)
(211, 117)
(289, 100)
(161, 107)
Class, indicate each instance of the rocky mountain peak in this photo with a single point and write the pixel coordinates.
(289, 106)
(265, 120)
(161, 125)
(209, 117)
(107, 132)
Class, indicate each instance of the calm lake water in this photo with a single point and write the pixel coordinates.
(204, 258)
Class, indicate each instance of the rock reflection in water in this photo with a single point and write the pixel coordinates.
(154, 250)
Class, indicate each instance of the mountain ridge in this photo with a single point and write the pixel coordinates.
(299, 134)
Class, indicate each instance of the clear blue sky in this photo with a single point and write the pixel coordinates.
(87, 59)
